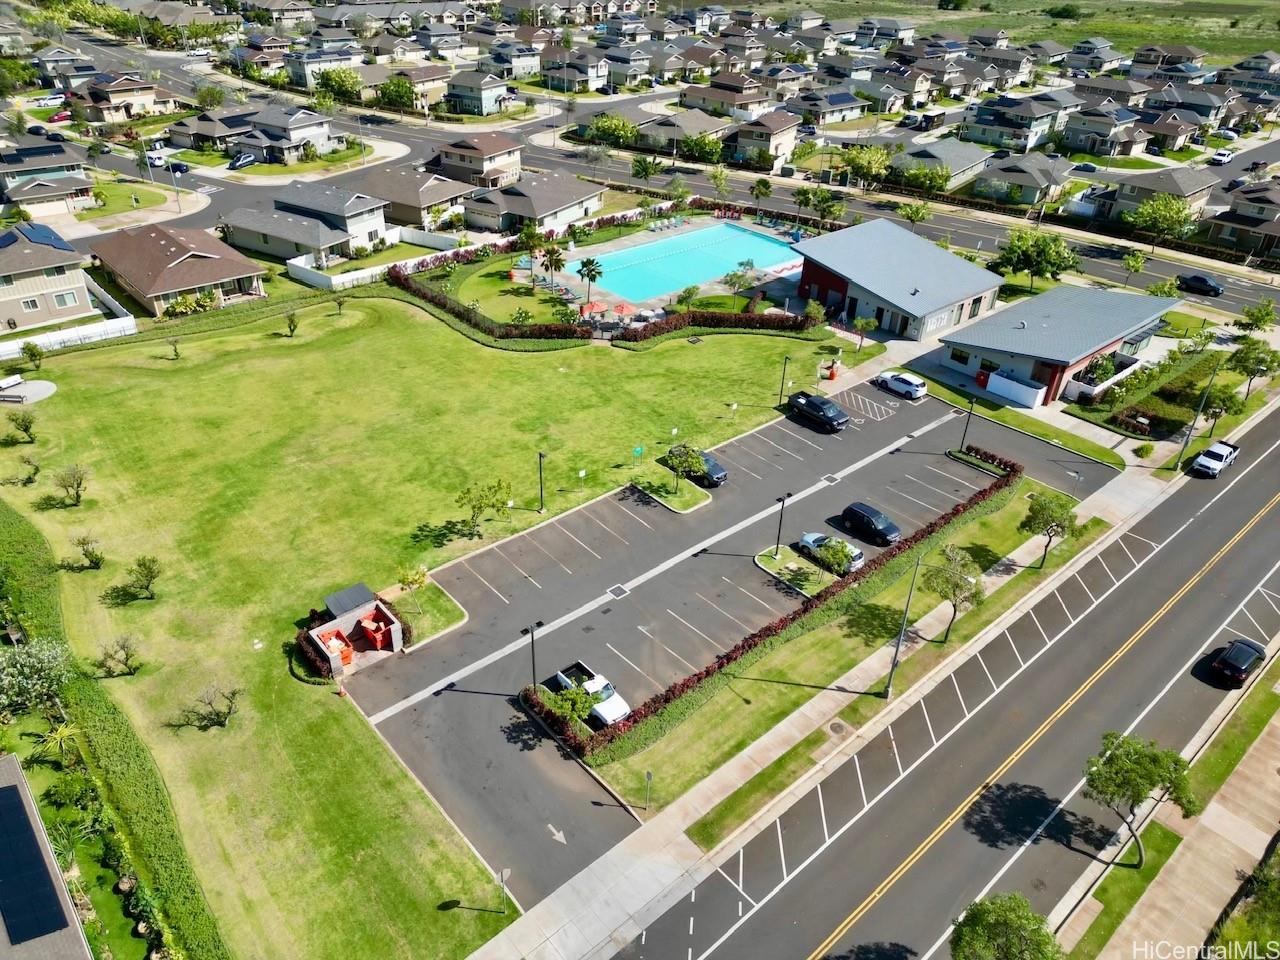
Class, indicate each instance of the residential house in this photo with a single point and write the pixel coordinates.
(573, 70)
(1122, 90)
(213, 130)
(1095, 54)
(1029, 352)
(281, 134)
(309, 217)
(511, 61)
(663, 28)
(41, 280)
(1016, 67)
(1267, 62)
(1192, 184)
(958, 78)
(157, 265)
(665, 133)
(626, 29)
(820, 42)
(844, 29)
(1211, 107)
(45, 179)
(880, 97)
(884, 32)
(332, 39)
(121, 97)
(1105, 130)
(263, 52)
(483, 159)
(1184, 73)
(963, 161)
(804, 20)
(14, 41)
(1152, 57)
(537, 37)
(176, 16)
(1063, 102)
(289, 14)
(989, 37)
(1253, 221)
(1168, 129)
(749, 19)
(628, 65)
(1030, 179)
(784, 80)
(387, 48)
(1047, 53)
(415, 196)
(916, 86)
(538, 12)
(834, 70)
(305, 66)
(1011, 122)
(445, 41)
(728, 94)
(909, 284)
(476, 92)
(429, 82)
(785, 47)
(771, 135)
(488, 32)
(744, 45)
(550, 201)
(72, 77)
(827, 105)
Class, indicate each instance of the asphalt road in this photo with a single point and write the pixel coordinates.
(961, 795)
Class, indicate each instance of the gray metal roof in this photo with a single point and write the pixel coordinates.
(956, 155)
(1063, 325)
(913, 274)
(354, 596)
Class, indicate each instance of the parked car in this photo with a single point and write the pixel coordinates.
(177, 166)
(1154, 150)
(52, 100)
(808, 130)
(609, 707)
(1198, 140)
(242, 160)
(1213, 460)
(811, 544)
(819, 410)
(1221, 158)
(103, 148)
(870, 524)
(1258, 165)
(1236, 182)
(36, 130)
(1000, 154)
(1228, 134)
(903, 384)
(1238, 660)
(200, 53)
(156, 159)
(56, 137)
(909, 120)
(713, 474)
(61, 116)
(1087, 167)
(1199, 283)
(1080, 74)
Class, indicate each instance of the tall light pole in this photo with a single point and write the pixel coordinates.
(1076, 476)
(177, 194)
(902, 631)
(782, 509)
(531, 631)
(783, 385)
(965, 433)
(542, 501)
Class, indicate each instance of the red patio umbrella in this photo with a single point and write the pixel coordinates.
(622, 309)
(594, 306)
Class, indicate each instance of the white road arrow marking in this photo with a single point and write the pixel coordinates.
(557, 835)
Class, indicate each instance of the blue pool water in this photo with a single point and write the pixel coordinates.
(673, 263)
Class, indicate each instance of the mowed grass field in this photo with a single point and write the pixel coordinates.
(265, 472)
(1228, 30)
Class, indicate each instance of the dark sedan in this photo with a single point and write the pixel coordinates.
(1240, 659)
(1200, 283)
(177, 166)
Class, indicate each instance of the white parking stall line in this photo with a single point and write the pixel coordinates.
(1120, 541)
(749, 594)
(927, 722)
(549, 554)
(949, 476)
(862, 787)
(893, 742)
(576, 540)
(737, 886)
(955, 683)
(1267, 595)
(736, 465)
(696, 630)
(486, 583)
(520, 570)
(633, 666)
(606, 527)
(1106, 568)
(792, 433)
(782, 851)
(1150, 543)
(783, 449)
(1064, 606)
(1036, 621)
(716, 606)
(982, 663)
(1008, 636)
(1261, 632)
(927, 506)
(1092, 599)
(666, 648)
(945, 493)
(822, 812)
(746, 449)
(640, 520)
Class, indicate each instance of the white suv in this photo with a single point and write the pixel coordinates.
(903, 384)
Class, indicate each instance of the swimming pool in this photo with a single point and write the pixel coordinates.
(673, 263)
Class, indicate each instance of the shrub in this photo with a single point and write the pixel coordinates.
(715, 319)
(1144, 450)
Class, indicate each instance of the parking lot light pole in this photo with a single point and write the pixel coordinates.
(965, 433)
(542, 500)
(531, 631)
(902, 631)
(782, 509)
(1076, 476)
(783, 385)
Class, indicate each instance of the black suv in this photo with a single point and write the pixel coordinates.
(870, 524)
(1238, 660)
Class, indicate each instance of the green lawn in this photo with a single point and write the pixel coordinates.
(153, 125)
(23, 333)
(1184, 324)
(465, 118)
(797, 571)
(41, 114)
(1184, 155)
(281, 286)
(334, 160)
(1010, 417)
(1019, 285)
(825, 158)
(120, 199)
(391, 254)
(429, 610)
(1255, 402)
(259, 508)
(1231, 743)
(201, 158)
(725, 302)
(658, 483)
(1116, 163)
(616, 201)
(1122, 888)
(537, 86)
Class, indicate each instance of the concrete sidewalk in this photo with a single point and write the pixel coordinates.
(1218, 847)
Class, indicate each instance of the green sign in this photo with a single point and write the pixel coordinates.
(638, 452)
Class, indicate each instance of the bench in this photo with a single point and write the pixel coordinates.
(8, 383)
(12, 398)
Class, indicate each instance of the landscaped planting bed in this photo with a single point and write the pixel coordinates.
(1166, 394)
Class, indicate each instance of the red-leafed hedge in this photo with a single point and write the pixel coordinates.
(584, 746)
(718, 320)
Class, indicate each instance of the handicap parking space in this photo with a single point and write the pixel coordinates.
(865, 403)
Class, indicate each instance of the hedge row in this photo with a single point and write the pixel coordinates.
(815, 334)
(993, 459)
(712, 320)
(828, 603)
(133, 783)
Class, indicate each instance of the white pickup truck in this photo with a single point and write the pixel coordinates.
(1215, 459)
(609, 708)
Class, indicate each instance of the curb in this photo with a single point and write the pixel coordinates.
(662, 503)
(789, 586)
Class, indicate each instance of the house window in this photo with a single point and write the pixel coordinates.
(11, 323)
(265, 238)
(373, 236)
(974, 307)
(959, 356)
(66, 299)
(30, 306)
(990, 366)
(55, 271)
(6, 280)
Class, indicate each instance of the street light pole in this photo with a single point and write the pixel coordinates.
(1186, 441)
(531, 632)
(965, 433)
(902, 631)
(782, 509)
(783, 385)
(542, 501)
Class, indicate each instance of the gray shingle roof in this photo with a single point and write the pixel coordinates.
(536, 197)
(290, 227)
(913, 274)
(321, 198)
(1062, 325)
(1179, 181)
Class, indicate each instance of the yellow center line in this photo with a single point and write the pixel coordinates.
(1027, 744)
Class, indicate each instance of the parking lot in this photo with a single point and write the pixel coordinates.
(645, 597)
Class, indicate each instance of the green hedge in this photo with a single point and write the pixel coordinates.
(133, 783)
(815, 335)
(649, 732)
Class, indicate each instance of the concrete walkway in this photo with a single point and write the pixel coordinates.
(1218, 847)
(191, 202)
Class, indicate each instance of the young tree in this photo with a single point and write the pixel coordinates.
(678, 192)
(1258, 318)
(90, 550)
(957, 580)
(552, 260)
(1037, 254)
(322, 101)
(761, 190)
(736, 280)
(645, 168)
(862, 326)
(868, 165)
(826, 205)
(684, 461)
(339, 303)
(343, 82)
(32, 675)
(1051, 515)
(1253, 358)
(397, 93)
(142, 574)
(1163, 288)
(413, 578)
(719, 178)
(173, 345)
(1133, 261)
(33, 353)
(835, 555)
(685, 298)
(291, 323)
(914, 213)
(595, 154)
(119, 656)
(1003, 927)
(71, 480)
(1222, 401)
(480, 499)
(214, 707)
(1129, 769)
(209, 96)
(813, 312)
(590, 271)
(1163, 216)
(24, 421)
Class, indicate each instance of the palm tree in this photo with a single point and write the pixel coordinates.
(140, 159)
(530, 240)
(802, 197)
(736, 281)
(62, 742)
(590, 271)
(552, 260)
(761, 190)
(644, 168)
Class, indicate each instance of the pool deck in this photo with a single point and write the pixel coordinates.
(601, 293)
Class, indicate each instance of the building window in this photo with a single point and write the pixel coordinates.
(959, 356)
(990, 366)
(67, 299)
(974, 307)
(6, 280)
(30, 306)
(55, 271)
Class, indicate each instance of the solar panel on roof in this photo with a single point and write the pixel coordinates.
(840, 99)
(28, 899)
(39, 233)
